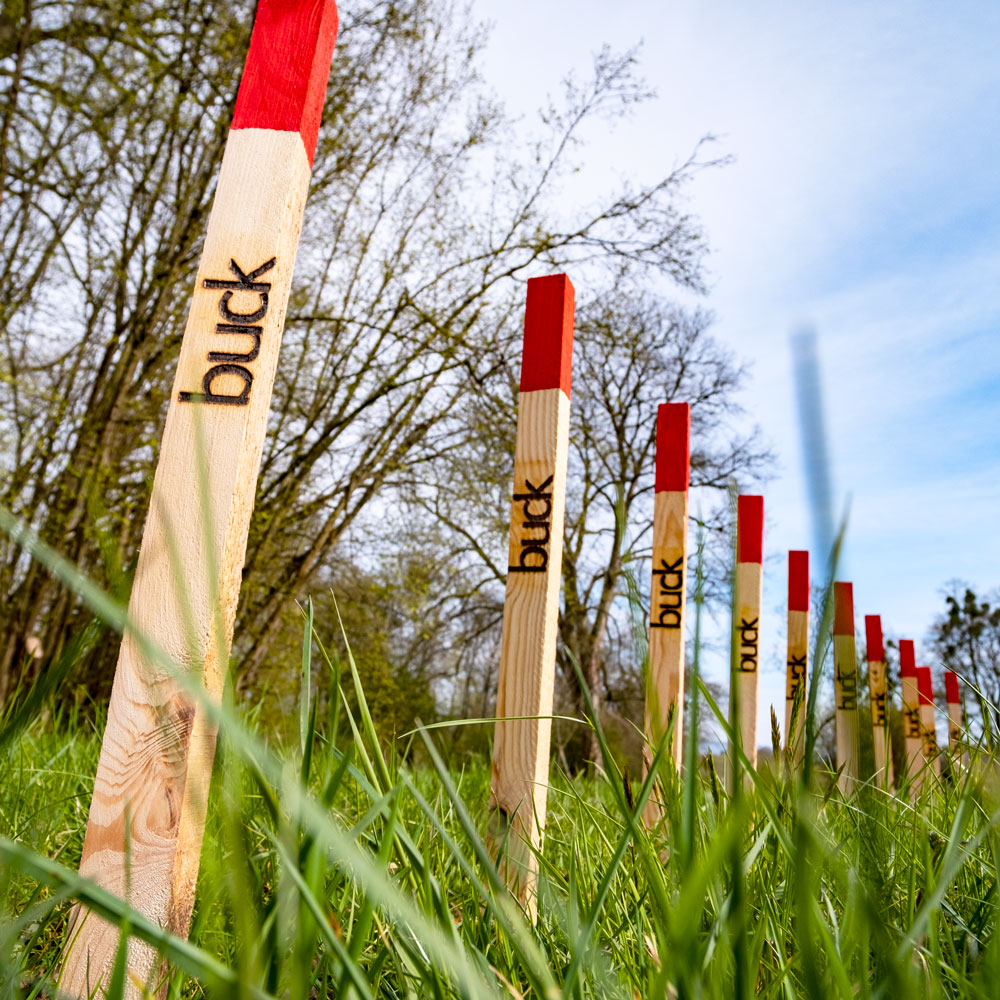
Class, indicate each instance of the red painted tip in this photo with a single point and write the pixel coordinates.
(798, 580)
(673, 447)
(547, 359)
(873, 638)
(749, 529)
(843, 608)
(925, 686)
(907, 659)
(951, 693)
(287, 68)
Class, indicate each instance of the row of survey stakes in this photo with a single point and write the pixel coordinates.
(147, 813)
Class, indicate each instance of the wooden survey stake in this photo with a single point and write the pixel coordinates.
(878, 695)
(912, 741)
(519, 781)
(956, 719)
(797, 668)
(845, 682)
(928, 719)
(156, 760)
(668, 590)
(746, 622)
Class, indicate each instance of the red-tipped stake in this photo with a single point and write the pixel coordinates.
(956, 720)
(928, 719)
(531, 608)
(845, 682)
(877, 690)
(911, 712)
(798, 652)
(668, 599)
(746, 623)
(153, 775)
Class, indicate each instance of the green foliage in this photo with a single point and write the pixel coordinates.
(335, 869)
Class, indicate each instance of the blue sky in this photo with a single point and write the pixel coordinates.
(865, 200)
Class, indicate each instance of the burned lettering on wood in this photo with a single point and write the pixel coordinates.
(748, 645)
(847, 688)
(878, 708)
(796, 675)
(668, 600)
(537, 524)
(911, 722)
(237, 324)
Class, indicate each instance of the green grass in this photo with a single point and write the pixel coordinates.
(331, 869)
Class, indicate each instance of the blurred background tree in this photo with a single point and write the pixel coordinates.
(966, 639)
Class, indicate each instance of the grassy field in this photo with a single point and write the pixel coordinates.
(331, 869)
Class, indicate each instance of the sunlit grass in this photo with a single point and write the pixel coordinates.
(334, 868)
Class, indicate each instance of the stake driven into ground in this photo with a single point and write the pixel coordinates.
(911, 712)
(797, 669)
(845, 683)
(668, 590)
(520, 773)
(928, 720)
(956, 715)
(749, 585)
(152, 779)
(879, 697)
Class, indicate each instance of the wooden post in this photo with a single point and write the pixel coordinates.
(797, 668)
(956, 721)
(911, 712)
(746, 623)
(519, 782)
(155, 766)
(668, 590)
(928, 719)
(845, 679)
(878, 696)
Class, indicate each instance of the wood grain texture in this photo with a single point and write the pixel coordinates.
(746, 637)
(796, 680)
(520, 770)
(156, 759)
(668, 606)
(845, 677)
(878, 693)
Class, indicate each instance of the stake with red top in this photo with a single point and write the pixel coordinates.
(798, 652)
(153, 775)
(956, 720)
(845, 682)
(928, 718)
(749, 584)
(520, 774)
(668, 597)
(913, 740)
(878, 695)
